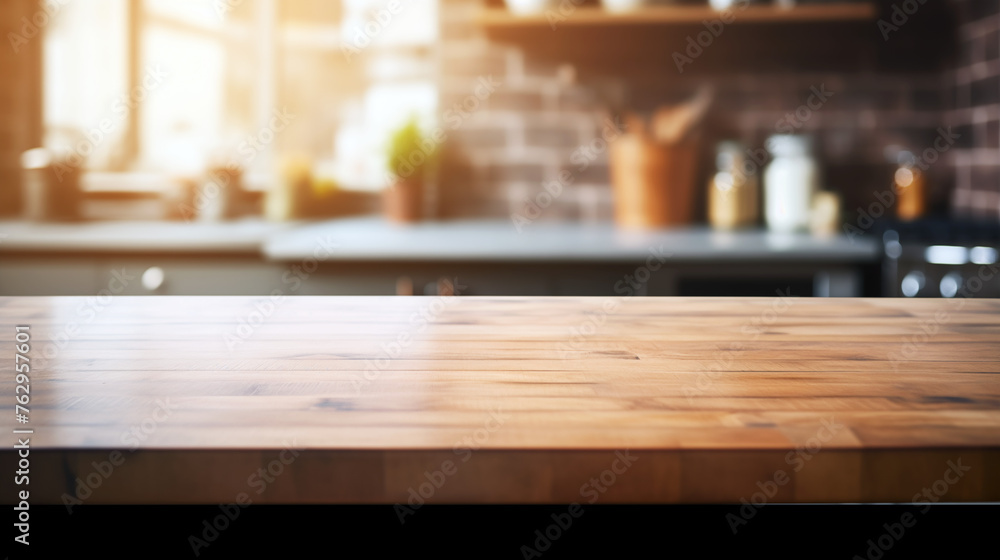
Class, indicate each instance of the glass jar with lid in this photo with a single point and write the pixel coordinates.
(789, 182)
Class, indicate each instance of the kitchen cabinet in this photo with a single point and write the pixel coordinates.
(85, 258)
(124, 275)
(48, 276)
(191, 275)
(194, 275)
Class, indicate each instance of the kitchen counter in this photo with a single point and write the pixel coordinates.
(508, 399)
(370, 256)
(372, 239)
(238, 236)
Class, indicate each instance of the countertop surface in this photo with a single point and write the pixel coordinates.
(374, 239)
(528, 396)
(237, 236)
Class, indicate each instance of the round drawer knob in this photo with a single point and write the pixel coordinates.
(153, 278)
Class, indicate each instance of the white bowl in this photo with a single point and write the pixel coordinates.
(528, 7)
(622, 6)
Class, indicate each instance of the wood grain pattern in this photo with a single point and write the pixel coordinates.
(527, 398)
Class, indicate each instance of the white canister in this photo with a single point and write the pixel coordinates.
(789, 183)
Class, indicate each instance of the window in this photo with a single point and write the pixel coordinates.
(161, 88)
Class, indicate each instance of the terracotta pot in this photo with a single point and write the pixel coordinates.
(404, 201)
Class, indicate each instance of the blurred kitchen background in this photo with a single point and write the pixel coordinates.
(492, 147)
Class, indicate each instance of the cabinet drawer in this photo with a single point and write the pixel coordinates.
(43, 277)
(191, 277)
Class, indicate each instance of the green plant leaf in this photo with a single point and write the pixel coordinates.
(410, 151)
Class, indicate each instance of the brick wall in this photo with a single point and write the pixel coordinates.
(20, 96)
(974, 109)
(503, 146)
(521, 137)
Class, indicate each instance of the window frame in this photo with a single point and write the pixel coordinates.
(127, 177)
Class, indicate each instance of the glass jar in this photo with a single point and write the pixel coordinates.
(789, 183)
(733, 191)
(908, 182)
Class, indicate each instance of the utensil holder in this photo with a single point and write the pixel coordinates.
(653, 183)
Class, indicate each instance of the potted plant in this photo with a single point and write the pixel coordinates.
(411, 156)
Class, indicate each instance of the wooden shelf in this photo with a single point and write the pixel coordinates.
(834, 37)
(500, 18)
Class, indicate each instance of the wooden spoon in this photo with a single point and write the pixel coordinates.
(671, 124)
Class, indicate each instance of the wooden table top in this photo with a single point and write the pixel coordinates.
(527, 395)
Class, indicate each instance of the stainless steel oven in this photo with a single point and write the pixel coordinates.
(941, 258)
